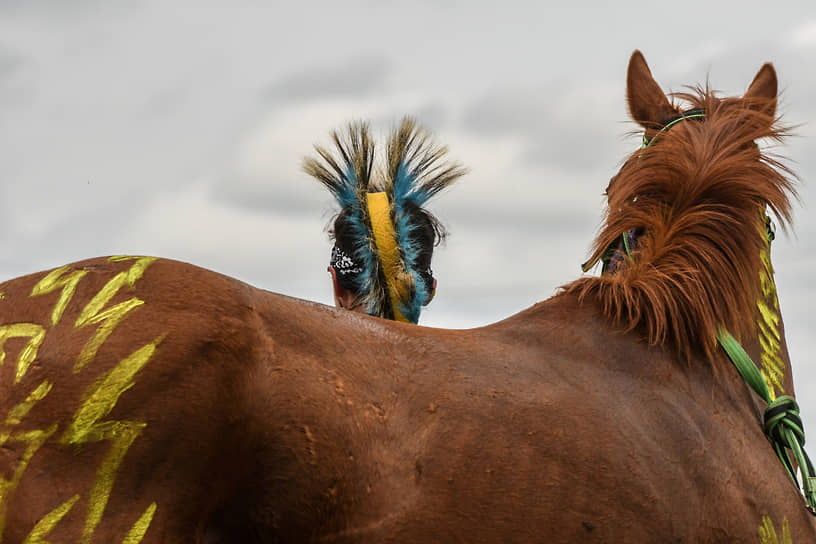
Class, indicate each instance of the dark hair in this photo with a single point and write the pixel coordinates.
(428, 232)
(412, 170)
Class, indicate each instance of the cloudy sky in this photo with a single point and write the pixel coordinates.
(178, 128)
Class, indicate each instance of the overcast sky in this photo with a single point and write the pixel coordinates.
(178, 128)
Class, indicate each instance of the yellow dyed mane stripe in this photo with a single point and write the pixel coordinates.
(379, 212)
(772, 366)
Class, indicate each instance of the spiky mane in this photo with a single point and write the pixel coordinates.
(415, 170)
(412, 171)
(699, 194)
(348, 174)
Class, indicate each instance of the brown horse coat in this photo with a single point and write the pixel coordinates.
(268, 419)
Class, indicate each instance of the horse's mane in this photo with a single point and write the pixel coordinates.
(411, 171)
(699, 194)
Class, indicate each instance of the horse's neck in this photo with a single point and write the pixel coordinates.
(770, 349)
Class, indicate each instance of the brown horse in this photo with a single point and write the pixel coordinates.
(147, 400)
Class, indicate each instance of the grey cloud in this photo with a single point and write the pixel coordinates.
(291, 197)
(509, 110)
(68, 240)
(574, 141)
(731, 70)
(359, 76)
(48, 7)
(15, 89)
(542, 218)
(577, 151)
(434, 116)
(168, 101)
(10, 64)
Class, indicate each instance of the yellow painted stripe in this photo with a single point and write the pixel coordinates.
(110, 317)
(379, 212)
(35, 333)
(773, 367)
(768, 535)
(86, 427)
(49, 521)
(65, 278)
(17, 413)
(33, 441)
(137, 532)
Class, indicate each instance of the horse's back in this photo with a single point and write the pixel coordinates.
(544, 424)
(150, 400)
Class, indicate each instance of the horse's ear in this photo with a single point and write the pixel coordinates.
(761, 94)
(648, 106)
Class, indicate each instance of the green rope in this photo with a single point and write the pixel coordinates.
(744, 364)
(626, 244)
(782, 424)
(693, 114)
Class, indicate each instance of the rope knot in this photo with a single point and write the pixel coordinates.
(784, 427)
(782, 415)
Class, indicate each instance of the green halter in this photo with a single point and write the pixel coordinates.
(698, 113)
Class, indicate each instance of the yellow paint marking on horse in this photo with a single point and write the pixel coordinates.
(111, 317)
(35, 333)
(765, 257)
(138, 269)
(774, 379)
(34, 441)
(60, 277)
(768, 337)
(767, 532)
(769, 317)
(767, 286)
(85, 427)
(17, 413)
(49, 521)
(772, 365)
(137, 532)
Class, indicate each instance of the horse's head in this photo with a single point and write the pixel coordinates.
(728, 128)
(684, 234)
